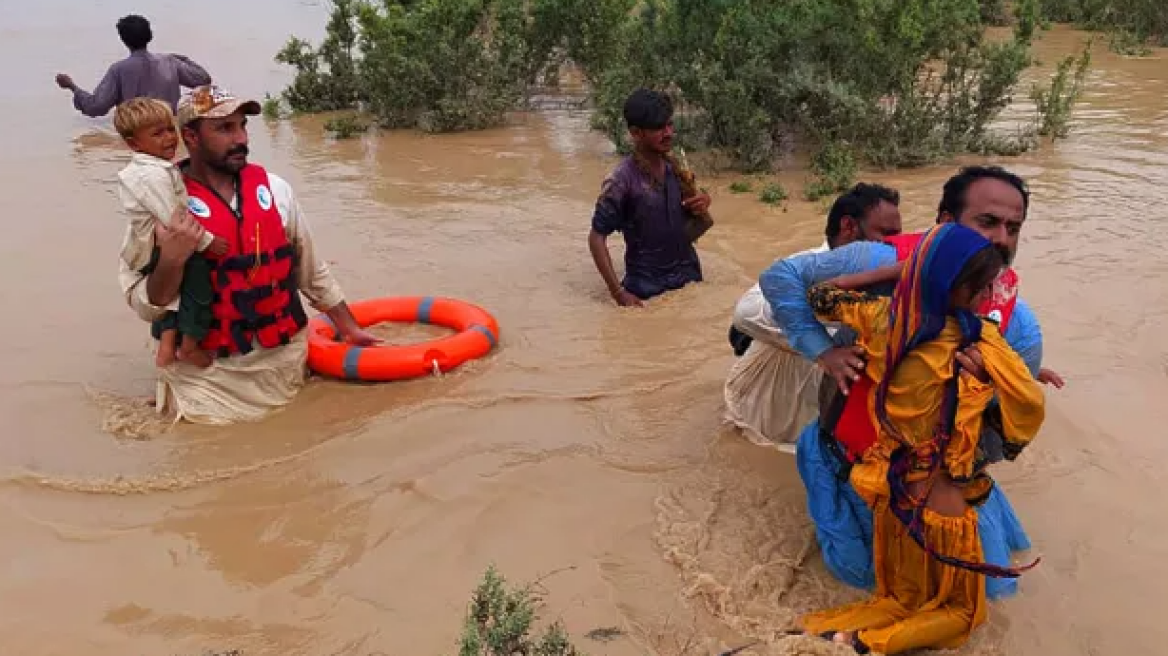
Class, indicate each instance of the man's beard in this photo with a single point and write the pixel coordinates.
(225, 165)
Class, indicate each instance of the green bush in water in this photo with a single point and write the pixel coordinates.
(501, 622)
(900, 82)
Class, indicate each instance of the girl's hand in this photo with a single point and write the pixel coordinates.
(972, 364)
(1050, 377)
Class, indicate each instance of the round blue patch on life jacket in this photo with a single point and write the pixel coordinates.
(264, 197)
(197, 207)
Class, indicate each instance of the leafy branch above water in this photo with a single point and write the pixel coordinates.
(1056, 101)
(501, 622)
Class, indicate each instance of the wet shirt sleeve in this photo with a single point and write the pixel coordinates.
(104, 97)
(133, 285)
(1024, 335)
(863, 312)
(140, 198)
(149, 194)
(314, 277)
(1020, 408)
(752, 317)
(190, 74)
(786, 283)
(611, 213)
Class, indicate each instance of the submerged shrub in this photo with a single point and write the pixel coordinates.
(892, 82)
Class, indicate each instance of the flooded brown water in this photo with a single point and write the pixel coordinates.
(589, 446)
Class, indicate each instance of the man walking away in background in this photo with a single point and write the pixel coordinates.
(141, 74)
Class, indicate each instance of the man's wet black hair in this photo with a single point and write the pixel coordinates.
(135, 31)
(953, 196)
(648, 109)
(856, 203)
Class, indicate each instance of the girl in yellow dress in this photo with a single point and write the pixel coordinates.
(922, 476)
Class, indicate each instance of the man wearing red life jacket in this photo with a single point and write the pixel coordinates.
(988, 199)
(256, 338)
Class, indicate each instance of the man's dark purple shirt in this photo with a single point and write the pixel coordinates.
(658, 255)
(143, 74)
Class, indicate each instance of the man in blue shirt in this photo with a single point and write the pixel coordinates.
(990, 200)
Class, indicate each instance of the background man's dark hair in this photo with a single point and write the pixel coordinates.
(856, 203)
(956, 188)
(135, 31)
(648, 109)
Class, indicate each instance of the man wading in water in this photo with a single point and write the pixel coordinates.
(994, 203)
(652, 201)
(257, 336)
(143, 74)
(772, 391)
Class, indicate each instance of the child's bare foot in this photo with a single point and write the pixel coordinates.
(848, 639)
(189, 352)
(167, 344)
(195, 356)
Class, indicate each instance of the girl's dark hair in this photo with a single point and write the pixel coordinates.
(981, 269)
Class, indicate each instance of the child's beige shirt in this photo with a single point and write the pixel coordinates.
(150, 189)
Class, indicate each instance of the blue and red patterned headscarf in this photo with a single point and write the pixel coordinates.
(921, 306)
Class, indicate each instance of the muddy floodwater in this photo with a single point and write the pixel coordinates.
(588, 447)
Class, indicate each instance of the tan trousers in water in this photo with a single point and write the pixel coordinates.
(240, 388)
(771, 394)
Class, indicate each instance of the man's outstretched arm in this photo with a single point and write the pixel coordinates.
(314, 277)
(105, 95)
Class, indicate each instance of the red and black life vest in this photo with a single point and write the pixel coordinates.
(855, 429)
(256, 297)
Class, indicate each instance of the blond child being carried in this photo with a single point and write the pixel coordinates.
(151, 190)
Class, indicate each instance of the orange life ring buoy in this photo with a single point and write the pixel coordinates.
(328, 355)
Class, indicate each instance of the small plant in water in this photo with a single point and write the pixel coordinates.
(1125, 42)
(834, 167)
(1055, 102)
(346, 126)
(273, 110)
(500, 622)
(773, 194)
(1132, 26)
